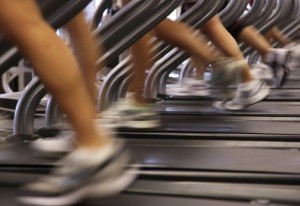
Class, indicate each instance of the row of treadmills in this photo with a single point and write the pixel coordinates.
(200, 156)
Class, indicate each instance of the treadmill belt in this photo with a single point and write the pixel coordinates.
(281, 94)
(8, 198)
(227, 125)
(180, 192)
(248, 193)
(284, 95)
(279, 109)
(226, 159)
(175, 192)
(21, 157)
(203, 142)
(293, 83)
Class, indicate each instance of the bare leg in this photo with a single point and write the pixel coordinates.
(200, 68)
(184, 37)
(54, 64)
(226, 43)
(276, 35)
(181, 35)
(251, 36)
(87, 50)
(141, 55)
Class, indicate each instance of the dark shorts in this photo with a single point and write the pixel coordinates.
(236, 28)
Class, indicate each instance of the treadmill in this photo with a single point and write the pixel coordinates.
(181, 175)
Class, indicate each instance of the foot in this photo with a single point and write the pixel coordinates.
(57, 146)
(263, 72)
(189, 87)
(278, 60)
(247, 94)
(126, 113)
(63, 143)
(226, 71)
(294, 47)
(82, 174)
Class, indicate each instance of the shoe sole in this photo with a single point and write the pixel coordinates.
(105, 189)
(133, 124)
(187, 94)
(219, 105)
(259, 97)
(141, 124)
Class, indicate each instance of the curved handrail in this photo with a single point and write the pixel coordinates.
(292, 28)
(271, 21)
(254, 12)
(121, 23)
(191, 17)
(238, 8)
(275, 17)
(97, 17)
(133, 35)
(266, 12)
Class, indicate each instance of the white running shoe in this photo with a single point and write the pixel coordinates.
(126, 114)
(84, 173)
(247, 94)
(189, 87)
(264, 72)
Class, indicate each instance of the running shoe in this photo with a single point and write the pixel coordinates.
(246, 95)
(82, 174)
(189, 87)
(127, 114)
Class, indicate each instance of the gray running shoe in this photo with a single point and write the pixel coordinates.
(226, 72)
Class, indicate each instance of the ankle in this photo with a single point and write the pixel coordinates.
(140, 101)
(97, 139)
(92, 142)
(246, 77)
